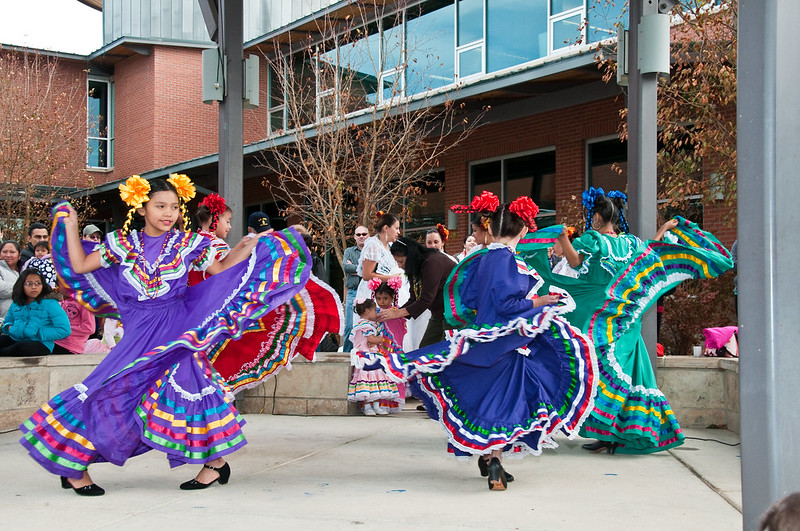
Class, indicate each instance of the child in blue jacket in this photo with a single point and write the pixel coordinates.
(34, 320)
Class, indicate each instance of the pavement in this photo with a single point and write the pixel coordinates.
(388, 473)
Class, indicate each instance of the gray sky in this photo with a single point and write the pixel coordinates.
(59, 25)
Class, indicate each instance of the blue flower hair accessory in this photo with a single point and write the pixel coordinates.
(623, 223)
(616, 193)
(588, 198)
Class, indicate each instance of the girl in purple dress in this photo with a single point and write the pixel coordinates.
(157, 389)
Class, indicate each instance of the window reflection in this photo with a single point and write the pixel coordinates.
(430, 35)
(533, 175)
(559, 6)
(470, 62)
(362, 60)
(392, 42)
(516, 32)
(470, 21)
(603, 17)
(566, 31)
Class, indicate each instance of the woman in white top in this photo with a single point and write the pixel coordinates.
(376, 260)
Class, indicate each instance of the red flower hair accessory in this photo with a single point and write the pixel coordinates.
(486, 202)
(215, 203)
(379, 214)
(525, 208)
(443, 232)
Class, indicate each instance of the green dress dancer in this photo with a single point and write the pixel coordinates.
(620, 277)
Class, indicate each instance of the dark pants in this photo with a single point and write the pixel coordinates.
(434, 332)
(21, 349)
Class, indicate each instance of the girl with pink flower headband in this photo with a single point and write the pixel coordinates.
(385, 295)
(369, 386)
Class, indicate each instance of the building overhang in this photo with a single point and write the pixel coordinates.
(126, 47)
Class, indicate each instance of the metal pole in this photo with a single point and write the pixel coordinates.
(642, 148)
(231, 139)
(768, 198)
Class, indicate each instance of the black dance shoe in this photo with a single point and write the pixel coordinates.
(224, 474)
(497, 476)
(600, 446)
(483, 466)
(88, 490)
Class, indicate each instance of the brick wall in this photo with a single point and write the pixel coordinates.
(134, 117)
(567, 130)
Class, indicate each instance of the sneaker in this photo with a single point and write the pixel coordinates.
(381, 410)
(368, 411)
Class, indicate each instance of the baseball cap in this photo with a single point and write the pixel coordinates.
(91, 229)
(259, 222)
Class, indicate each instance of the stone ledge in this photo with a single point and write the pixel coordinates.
(703, 362)
(304, 388)
(702, 391)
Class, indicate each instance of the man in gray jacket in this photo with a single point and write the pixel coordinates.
(350, 263)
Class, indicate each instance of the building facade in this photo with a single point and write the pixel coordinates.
(550, 132)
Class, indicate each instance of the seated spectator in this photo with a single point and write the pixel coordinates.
(81, 321)
(37, 232)
(34, 320)
(42, 261)
(10, 254)
(9, 273)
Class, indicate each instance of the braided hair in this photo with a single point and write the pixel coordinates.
(610, 207)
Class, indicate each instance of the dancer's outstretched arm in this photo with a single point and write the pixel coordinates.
(81, 262)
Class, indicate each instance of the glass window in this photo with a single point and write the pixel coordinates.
(99, 122)
(516, 32)
(427, 209)
(608, 164)
(533, 175)
(275, 101)
(470, 62)
(470, 21)
(392, 42)
(560, 6)
(275, 89)
(603, 18)
(276, 122)
(392, 87)
(430, 36)
(487, 176)
(361, 62)
(567, 31)
(303, 87)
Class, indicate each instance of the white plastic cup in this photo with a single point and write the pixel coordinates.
(697, 351)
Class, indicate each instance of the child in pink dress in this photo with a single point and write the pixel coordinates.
(385, 295)
(369, 386)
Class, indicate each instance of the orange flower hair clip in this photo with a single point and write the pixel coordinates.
(186, 192)
(183, 185)
(135, 192)
(443, 232)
